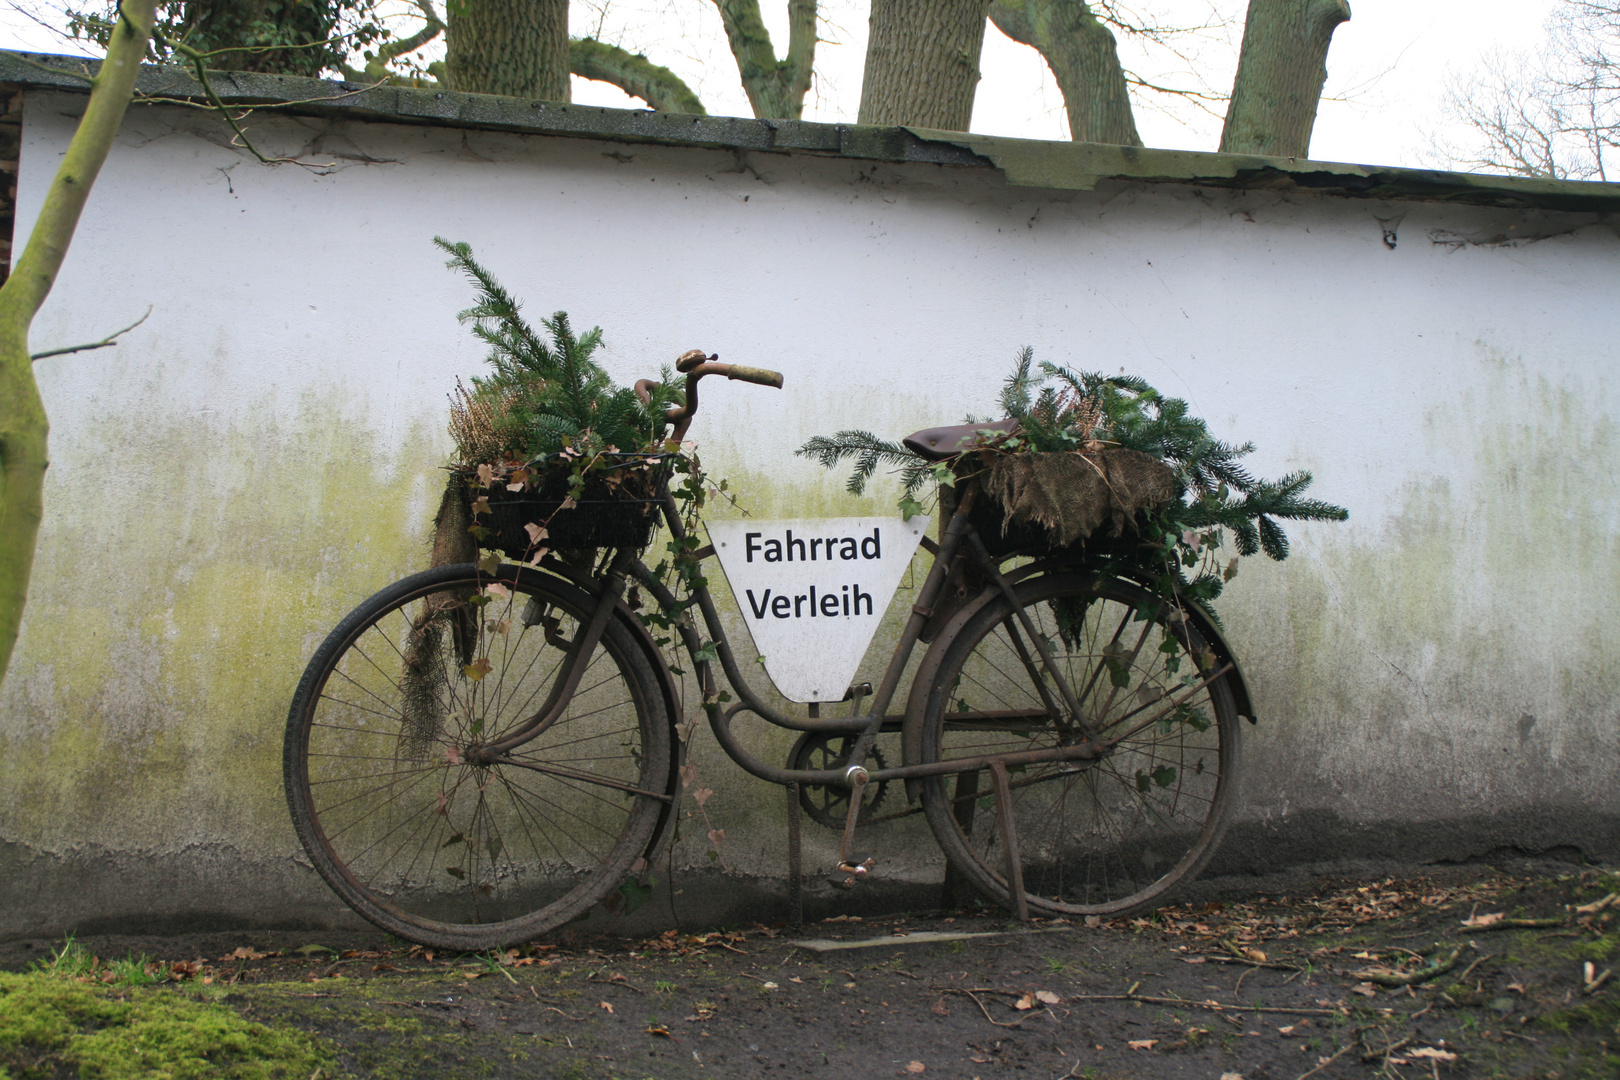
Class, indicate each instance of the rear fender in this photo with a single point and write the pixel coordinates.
(928, 670)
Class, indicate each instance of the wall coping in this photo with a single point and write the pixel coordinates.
(1024, 162)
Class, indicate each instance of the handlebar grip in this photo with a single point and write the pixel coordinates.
(757, 375)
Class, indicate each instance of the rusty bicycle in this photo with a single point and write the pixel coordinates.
(478, 754)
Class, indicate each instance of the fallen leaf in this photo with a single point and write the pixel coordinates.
(940, 1008)
(1431, 1052)
(664, 1031)
(1289, 1030)
(1366, 956)
(1046, 997)
(769, 986)
(1231, 1076)
(1365, 989)
(915, 1067)
(1025, 1002)
(604, 1006)
(796, 979)
(1257, 955)
(1142, 1044)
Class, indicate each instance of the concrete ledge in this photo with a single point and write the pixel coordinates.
(96, 891)
(1024, 162)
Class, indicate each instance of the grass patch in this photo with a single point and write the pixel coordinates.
(54, 1024)
(1604, 1016)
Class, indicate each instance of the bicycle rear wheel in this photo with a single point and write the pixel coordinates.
(1101, 837)
(434, 847)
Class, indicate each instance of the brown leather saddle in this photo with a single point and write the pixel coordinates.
(937, 444)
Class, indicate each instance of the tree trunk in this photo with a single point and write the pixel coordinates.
(23, 424)
(633, 73)
(922, 62)
(1084, 61)
(266, 26)
(514, 47)
(775, 88)
(1281, 69)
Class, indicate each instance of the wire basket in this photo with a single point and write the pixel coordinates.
(604, 515)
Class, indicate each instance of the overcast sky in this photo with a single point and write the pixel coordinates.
(1387, 69)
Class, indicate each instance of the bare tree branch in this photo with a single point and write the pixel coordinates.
(110, 339)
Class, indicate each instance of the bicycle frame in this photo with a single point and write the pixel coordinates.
(1087, 744)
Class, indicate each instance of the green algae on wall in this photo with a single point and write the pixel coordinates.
(185, 576)
(1461, 661)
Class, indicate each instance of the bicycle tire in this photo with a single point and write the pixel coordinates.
(442, 851)
(1107, 837)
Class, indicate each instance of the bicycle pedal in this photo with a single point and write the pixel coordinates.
(849, 874)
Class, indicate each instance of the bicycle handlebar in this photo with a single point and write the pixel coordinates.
(695, 365)
(757, 375)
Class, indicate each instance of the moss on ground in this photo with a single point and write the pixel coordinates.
(52, 1026)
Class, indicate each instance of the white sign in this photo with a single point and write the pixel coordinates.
(813, 591)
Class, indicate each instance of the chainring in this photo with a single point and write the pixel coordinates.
(827, 805)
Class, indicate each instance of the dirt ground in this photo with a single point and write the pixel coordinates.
(1461, 972)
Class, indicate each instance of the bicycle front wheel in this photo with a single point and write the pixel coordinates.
(400, 818)
(1096, 837)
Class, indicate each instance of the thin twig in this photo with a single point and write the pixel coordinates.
(1214, 1006)
(980, 1004)
(1412, 978)
(1386, 1052)
(1329, 1061)
(1478, 960)
(110, 339)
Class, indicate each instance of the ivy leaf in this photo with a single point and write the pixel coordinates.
(477, 669)
(909, 508)
(635, 894)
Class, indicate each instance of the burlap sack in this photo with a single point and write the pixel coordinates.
(1073, 495)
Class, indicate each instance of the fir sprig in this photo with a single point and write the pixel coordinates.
(1063, 411)
(548, 394)
(869, 452)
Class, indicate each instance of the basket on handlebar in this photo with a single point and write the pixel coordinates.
(617, 508)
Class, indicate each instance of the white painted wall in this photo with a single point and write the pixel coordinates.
(261, 453)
